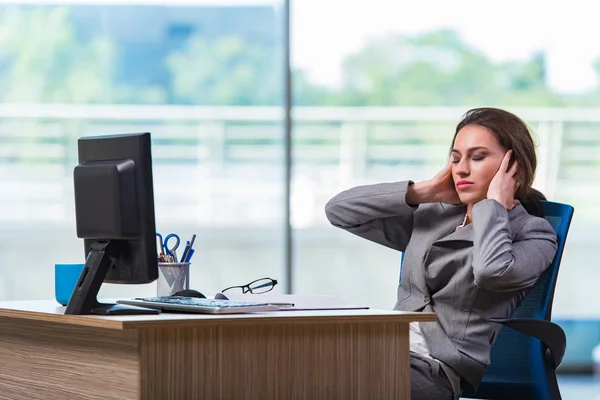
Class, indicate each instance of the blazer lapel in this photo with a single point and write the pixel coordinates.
(444, 234)
(461, 237)
(464, 234)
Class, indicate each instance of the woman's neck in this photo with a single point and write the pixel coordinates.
(469, 210)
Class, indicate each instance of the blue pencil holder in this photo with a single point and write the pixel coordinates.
(66, 277)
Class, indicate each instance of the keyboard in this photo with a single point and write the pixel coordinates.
(198, 305)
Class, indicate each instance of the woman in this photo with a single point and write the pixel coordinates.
(473, 241)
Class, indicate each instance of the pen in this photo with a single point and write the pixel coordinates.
(187, 253)
(190, 254)
(283, 305)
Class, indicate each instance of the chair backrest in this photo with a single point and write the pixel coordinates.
(517, 360)
(538, 303)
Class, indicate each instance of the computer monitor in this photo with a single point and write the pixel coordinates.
(114, 211)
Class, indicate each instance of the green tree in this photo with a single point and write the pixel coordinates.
(225, 71)
(305, 93)
(591, 98)
(439, 69)
(45, 63)
(42, 60)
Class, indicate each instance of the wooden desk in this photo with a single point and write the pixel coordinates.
(351, 354)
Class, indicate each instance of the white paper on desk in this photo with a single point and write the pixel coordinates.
(299, 301)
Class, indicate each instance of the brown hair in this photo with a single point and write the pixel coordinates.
(512, 134)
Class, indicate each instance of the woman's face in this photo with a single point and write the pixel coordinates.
(476, 157)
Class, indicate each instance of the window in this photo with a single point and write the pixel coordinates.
(189, 75)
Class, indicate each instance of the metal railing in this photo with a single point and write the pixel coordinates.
(206, 158)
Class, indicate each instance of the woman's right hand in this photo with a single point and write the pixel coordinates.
(443, 186)
(439, 189)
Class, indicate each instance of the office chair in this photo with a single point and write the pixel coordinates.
(530, 347)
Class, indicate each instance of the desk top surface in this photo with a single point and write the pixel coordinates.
(50, 311)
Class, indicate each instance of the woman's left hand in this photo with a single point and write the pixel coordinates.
(504, 184)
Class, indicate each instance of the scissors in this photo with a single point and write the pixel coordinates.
(164, 244)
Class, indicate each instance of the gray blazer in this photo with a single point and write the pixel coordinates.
(467, 276)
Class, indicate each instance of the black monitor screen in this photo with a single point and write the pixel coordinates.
(114, 200)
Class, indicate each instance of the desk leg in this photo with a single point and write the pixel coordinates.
(42, 360)
(292, 361)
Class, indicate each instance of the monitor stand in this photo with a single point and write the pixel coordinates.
(84, 298)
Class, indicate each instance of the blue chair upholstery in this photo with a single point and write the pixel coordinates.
(530, 347)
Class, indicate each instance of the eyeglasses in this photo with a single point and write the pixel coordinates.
(262, 285)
